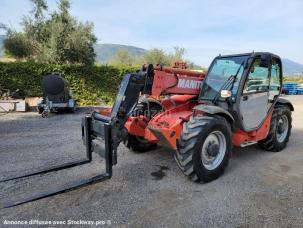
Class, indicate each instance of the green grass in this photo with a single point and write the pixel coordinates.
(298, 79)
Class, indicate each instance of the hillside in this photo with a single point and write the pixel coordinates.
(291, 68)
(106, 51)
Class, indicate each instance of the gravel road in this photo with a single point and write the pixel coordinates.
(258, 189)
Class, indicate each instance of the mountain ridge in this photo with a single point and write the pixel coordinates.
(106, 51)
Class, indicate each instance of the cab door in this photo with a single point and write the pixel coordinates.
(255, 95)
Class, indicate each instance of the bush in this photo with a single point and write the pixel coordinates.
(91, 85)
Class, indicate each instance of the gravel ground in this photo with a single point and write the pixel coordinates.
(258, 188)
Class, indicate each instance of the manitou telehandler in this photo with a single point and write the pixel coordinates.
(200, 116)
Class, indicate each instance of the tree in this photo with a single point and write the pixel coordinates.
(58, 38)
(39, 8)
(34, 24)
(122, 57)
(70, 41)
(177, 55)
(18, 45)
(156, 56)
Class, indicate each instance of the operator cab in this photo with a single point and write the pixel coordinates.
(245, 85)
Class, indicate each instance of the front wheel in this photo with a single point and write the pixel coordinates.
(204, 148)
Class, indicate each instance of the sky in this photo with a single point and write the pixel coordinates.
(205, 28)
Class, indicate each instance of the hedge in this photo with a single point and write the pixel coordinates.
(91, 85)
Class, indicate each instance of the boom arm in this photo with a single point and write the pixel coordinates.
(169, 80)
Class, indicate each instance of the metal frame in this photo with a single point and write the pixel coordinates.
(87, 133)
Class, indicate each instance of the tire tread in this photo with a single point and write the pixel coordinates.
(186, 145)
(270, 143)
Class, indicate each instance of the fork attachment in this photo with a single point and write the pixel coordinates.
(100, 134)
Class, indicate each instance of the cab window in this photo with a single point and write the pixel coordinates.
(275, 76)
(258, 78)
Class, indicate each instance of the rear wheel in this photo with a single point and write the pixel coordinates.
(204, 148)
(280, 130)
(139, 144)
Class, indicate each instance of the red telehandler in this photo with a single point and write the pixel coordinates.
(200, 116)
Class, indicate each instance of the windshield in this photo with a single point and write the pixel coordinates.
(221, 71)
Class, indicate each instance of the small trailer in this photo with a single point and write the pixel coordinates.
(57, 96)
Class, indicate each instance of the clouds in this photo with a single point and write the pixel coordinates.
(205, 28)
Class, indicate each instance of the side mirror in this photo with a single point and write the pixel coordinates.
(225, 93)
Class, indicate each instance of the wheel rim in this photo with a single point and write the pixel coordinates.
(213, 150)
(282, 129)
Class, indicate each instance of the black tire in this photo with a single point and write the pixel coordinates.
(188, 155)
(72, 110)
(139, 144)
(40, 110)
(271, 142)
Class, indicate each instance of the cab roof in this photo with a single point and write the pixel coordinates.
(251, 54)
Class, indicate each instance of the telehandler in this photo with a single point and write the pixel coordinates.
(201, 116)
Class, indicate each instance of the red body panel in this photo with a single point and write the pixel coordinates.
(168, 125)
(240, 136)
(165, 128)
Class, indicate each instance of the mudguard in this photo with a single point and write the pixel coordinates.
(211, 109)
(282, 101)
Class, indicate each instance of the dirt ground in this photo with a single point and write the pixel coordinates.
(258, 189)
